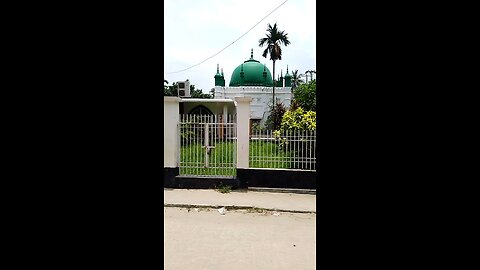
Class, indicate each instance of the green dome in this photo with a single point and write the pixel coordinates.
(252, 74)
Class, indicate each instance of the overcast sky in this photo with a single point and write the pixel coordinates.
(195, 30)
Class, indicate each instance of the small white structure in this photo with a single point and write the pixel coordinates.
(184, 88)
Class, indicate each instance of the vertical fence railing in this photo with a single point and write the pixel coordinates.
(207, 145)
(286, 150)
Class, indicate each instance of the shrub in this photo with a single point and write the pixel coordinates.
(299, 119)
(306, 95)
(295, 123)
(274, 120)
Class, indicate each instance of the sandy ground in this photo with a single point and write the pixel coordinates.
(204, 239)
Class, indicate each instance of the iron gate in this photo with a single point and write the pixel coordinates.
(208, 145)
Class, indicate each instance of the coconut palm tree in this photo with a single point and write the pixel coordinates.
(296, 79)
(273, 41)
(311, 74)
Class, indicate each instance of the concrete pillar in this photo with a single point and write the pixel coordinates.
(243, 127)
(171, 118)
(225, 113)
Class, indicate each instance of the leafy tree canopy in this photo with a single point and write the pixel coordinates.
(305, 95)
(173, 91)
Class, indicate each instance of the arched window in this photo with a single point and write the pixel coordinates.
(201, 110)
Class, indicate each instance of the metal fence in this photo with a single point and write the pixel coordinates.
(208, 145)
(286, 150)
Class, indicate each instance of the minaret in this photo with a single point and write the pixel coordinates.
(288, 79)
(281, 78)
(218, 77)
(223, 79)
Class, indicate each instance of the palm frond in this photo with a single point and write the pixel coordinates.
(265, 52)
(262, 42)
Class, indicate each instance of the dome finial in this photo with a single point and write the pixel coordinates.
(287, 69)
(217, 67)
(251, 54)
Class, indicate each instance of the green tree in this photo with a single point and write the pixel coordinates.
(273, 41)
(305, 96)
(296, 79)
(198, 93)
(165, 87)
(311, 72)
(274, 119)
(171, 90)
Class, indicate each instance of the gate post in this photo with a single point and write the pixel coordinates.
(243, 128)
(171, 147)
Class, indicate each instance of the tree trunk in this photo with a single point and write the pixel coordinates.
(274, 82)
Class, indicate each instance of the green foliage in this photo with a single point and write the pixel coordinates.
(272, 41)
(299, 119)
(297, 122)
(165, 87)
(192, 158)
(277, 157)
(274, 120)
(296, 79)
(306, 95)
(224, 189)
(198, 93)
(173, 91)
(294, 105)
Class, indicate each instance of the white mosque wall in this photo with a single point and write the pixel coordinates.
(217, 108)
(261, 98)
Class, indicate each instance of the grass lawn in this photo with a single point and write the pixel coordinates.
(222, 158)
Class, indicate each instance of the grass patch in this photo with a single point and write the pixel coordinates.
(222, 158)
(264, 154)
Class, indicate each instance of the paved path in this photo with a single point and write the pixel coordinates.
(238, 240)
(266, 200)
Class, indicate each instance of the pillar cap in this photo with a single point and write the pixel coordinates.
(171, 99)
(243, 99)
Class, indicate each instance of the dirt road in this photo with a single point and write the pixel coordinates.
(205, 239)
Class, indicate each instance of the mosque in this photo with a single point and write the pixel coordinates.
(249, 79)
(253, 79)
